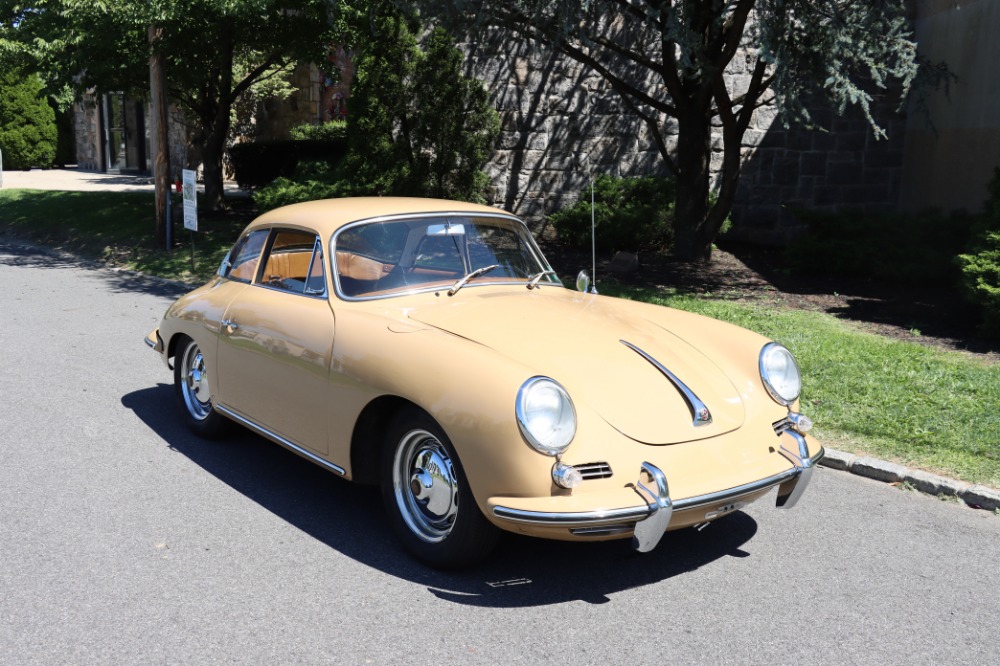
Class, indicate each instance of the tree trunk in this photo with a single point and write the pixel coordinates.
(213, 149)
(161, 162)
(691, 210)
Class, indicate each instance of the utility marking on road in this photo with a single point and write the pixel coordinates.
(511, 582)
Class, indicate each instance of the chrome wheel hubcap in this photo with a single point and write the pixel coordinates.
(425, 486)
(194, 383)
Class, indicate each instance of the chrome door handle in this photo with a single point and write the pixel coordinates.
(230, 324)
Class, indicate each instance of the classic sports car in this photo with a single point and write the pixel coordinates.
(427, 346)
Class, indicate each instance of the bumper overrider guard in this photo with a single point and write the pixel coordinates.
(652, 520)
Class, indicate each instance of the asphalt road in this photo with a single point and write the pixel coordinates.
(126, 540)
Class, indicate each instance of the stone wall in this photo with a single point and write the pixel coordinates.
(952, 150)
(842, 166)
(87, 130)
(562, 124)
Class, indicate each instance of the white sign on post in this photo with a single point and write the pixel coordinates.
(190, 192)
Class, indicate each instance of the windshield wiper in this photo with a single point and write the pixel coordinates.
(476, 273)
(534, 279)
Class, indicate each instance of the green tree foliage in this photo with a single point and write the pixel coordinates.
(629, 214)
(28, 132)
(417, 125)
(216, 51)
(981, 266)
(667, 60)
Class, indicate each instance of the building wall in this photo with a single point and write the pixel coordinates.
(952, 150)
(841, 165)
(562, 124)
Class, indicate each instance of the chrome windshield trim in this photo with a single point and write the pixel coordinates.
(699, 411)
(606, 516)
(260, 430)
(335, 274)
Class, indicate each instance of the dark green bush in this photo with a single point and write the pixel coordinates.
(631, 214)
(28, 132)
(418, 125)
(311, 180)
(901, 248)
(981, 265)
(257, 163)
(333, 130)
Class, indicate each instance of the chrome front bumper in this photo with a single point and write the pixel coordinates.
(652, 520)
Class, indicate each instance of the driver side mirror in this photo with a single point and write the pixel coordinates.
(583, 283)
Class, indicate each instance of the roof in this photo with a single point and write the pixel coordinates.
(328, 215)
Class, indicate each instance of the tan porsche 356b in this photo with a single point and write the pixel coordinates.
(427, 346)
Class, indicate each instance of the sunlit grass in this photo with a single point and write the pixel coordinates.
(116, 227)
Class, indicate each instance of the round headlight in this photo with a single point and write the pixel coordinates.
(780, 373)
(545, 415)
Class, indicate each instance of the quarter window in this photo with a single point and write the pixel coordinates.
(246, 256)
(295, 263)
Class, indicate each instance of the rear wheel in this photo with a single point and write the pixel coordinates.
(194, 397)
(429, 502)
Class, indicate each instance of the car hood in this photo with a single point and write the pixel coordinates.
(579, 341)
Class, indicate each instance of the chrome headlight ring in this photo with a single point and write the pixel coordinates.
(780, 373)
(545, 415)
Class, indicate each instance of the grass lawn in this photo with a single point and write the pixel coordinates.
(117, 227)
(867, 394)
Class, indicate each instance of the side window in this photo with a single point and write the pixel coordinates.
(245, 257)
(292, 263)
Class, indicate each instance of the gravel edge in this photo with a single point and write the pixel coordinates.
(974, 495)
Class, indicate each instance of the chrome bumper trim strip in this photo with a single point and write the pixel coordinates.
(636, 513)
(260, 430)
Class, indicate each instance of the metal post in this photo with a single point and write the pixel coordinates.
(593, 235)
(1, 169)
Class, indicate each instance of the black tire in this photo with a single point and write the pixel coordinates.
(439, 522)
(193, 395)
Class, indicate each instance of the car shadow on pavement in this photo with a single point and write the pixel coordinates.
(349, 518)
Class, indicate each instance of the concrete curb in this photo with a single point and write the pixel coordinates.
(976, 496)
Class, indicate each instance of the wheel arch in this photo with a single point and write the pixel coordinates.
(366, 438)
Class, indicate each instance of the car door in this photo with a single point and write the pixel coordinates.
(276, 341)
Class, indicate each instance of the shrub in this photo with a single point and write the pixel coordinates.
(257, 163)
(901, 248)
(334, 130)
(418, 126)
(28, 132)
(630, 214)
(981, 265)
(311, 180)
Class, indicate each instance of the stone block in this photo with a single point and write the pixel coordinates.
(812, 163)
(852, 141)
(800, 140)
(843, 173)
(981, 497)
(878, 469)
(823, 141)
(932, 484)
(835, 459)
(753, 137)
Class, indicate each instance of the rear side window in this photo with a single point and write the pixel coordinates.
(294, 262)
(245, 256)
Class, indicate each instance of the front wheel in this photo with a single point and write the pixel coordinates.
(193, 394)
(427, 497)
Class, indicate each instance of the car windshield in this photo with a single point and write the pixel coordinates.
(388, 257)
